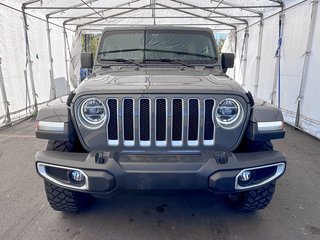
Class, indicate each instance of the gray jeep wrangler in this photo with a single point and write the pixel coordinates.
(158, 112)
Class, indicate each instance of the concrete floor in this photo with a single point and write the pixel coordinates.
(25, 214)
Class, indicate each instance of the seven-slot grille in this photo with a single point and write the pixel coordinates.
(160, 122)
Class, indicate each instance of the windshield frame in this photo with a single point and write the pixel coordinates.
(207, 33)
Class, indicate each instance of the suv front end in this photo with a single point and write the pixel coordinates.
(160, 126)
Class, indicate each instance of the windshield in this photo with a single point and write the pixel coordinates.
(193, 47)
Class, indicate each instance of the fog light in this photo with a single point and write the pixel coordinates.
(245, 176)
(77, 176)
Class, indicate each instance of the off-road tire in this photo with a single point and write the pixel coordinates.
(252, 200)
(65, 200)
(62, 199)
(65, 146)
(60, 146)
(255, 146)
(259, 146)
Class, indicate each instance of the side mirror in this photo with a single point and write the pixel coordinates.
(87, 60)
(227, 61)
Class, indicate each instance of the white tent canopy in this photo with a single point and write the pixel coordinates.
(276, 58)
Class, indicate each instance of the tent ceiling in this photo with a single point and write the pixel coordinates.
(97, 14)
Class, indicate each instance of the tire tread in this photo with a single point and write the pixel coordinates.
(258, 199)
(61, 199)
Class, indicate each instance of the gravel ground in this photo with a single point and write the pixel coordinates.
(25, 214)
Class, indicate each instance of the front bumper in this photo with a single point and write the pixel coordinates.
(108, 171)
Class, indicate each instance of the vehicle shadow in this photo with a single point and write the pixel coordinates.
(164, 213)
(161, 202)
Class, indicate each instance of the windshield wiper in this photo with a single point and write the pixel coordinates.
(158, 50)
(120, 50)
(172, 61)
(121, 60)
(183, 53)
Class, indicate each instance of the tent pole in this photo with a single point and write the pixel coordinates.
(277, 74)
(66, 57)
(52, 89)
(280, 46)
(257, 74)
(147, 17)
(246, 8)
(304, 75)
(199, 16)
(7, 119)
(119, 6)
(60, 10)
(153, 7)
(235, 6)
(244, 56)
(235, 52)
(29, 60)
(212, 11)
(279, 61)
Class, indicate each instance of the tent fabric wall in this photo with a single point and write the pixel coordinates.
(13, 54)
(2, 109)
(251, 58)
(293, 50)
(58, 51)
(74, 63)
(295, 34)
(40, 58)
(310, 103)
(268, 60)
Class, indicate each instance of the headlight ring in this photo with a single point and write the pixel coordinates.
(92, 113)
(229, 113)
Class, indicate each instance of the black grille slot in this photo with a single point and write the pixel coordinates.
(193, 119)
(128, 119)
(208, 123)
(161, 119)
(113, 123)
(144, 119)
(177, 119)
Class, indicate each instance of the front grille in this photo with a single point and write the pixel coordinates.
(160, 122)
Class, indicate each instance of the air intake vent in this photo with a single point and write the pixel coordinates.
(128, 122)
(161, 122)
(177, 122)
(113, 138)
(193, 123)
(145, 122)
(208, 123)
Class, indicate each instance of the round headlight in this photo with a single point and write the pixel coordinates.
(228, 113)
(93, 112)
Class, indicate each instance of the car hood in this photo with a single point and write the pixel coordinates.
(157, 81)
